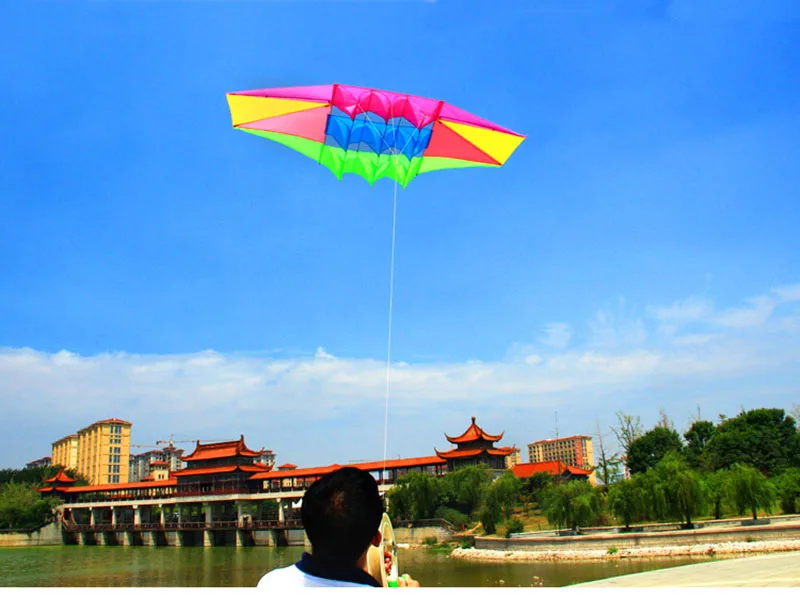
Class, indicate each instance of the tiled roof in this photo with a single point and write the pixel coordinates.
(474, 432)
(61, 477)
(400, 463)
(296, 473)
(287, 466)
(125, 486)
(188, 472)
(526, 470)
(466, 453)
(221, 450)
(162, 463)
(366, 466)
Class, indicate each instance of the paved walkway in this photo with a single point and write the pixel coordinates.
(775, 570)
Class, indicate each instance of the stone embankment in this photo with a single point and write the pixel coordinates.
(724, 548)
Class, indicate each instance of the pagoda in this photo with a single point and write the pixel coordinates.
(57, 484)
(219, 467)
(475, 447)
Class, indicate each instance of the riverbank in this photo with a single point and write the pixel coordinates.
(643, 552)
(48, 535)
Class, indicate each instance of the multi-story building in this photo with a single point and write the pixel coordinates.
(572, 450)
(65, 452)
(104, 449)
(266, 457)
(514, 459)
(43, 462)
(140, 466)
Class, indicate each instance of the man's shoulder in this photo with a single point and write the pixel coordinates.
(292, 577)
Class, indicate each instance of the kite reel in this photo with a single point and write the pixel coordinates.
(376, 555)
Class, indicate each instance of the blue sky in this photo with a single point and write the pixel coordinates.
(639, 250)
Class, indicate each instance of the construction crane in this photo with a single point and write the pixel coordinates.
(172, 442)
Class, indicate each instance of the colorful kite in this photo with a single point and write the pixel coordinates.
(372, 133)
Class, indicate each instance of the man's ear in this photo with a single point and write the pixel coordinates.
(377, 538)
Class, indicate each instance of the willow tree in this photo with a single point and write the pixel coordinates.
(572, 504)
(750, 489)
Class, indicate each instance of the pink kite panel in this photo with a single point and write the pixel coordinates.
(309, 124)
(316, 93)
(386, 104)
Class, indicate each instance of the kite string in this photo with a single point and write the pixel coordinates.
(389, 342)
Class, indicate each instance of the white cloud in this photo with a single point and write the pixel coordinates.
(235, 392)
(557, 334)
(756, 312)
(688, 310)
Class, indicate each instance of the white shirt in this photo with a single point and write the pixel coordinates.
(299, 575)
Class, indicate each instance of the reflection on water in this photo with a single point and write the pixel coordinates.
(142, 566)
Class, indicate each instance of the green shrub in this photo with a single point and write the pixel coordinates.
(613, 550)
(514, 526)
(430, 541)
(454, 516)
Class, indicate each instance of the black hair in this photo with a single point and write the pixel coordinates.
(341, 513)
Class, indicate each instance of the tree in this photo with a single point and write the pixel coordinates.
(697, 437)
(35, 475)
(750, 489)
(399, 498)
(788, 487)
(684, 488)
(22, 507)
(625, 501)
(534, 486)
(664, 421)
(508, 488)
(767, 439)
(572, 504)
(417, 496)
(490, 512)
(628, 429)
(716, 490)
(464, 488)
(608, 464)
(646, 451)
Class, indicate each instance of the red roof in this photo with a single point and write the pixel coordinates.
(125, 486)
(161, 463)
(526, 470)
(296, 473)
(400, 463)
(466, 453)
(61, 477)
(287, 466)
(366, 466)
(221, 450)
(474, 432)
(257, 468)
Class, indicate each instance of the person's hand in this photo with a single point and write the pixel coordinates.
(406, 581)
(387, 562)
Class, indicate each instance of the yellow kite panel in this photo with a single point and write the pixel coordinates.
(247, 109)
(495, 143)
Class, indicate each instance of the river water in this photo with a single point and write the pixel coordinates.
(141, 566)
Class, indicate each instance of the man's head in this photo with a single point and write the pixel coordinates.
(341, 514)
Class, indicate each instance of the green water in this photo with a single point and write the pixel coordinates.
(119, 566)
